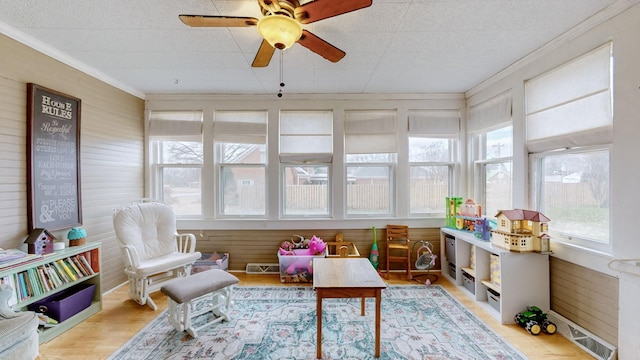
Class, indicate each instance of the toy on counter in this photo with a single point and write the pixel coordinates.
(470, 209)
(467, 216)
(482, 229)
(453, 208)
(522, 230)
(535, 321)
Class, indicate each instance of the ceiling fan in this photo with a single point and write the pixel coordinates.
(281, 25)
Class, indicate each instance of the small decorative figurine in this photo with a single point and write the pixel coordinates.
(77, 236)
(40, 242)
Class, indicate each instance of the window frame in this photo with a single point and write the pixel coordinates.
(480, 163)
(283, 196)
(157, 172)
(535, 182)
(398, 208)
(451, 165)
(392, 165)
(294, 130)
(220, 189)
(248, 127)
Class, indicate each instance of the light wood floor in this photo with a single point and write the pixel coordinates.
(121, 318)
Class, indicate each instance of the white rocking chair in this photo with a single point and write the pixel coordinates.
(153, 251)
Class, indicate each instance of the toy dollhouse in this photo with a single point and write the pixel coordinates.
(521, 230)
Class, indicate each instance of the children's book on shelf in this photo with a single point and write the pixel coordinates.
(74, 269)
(11, 254)
(27, 258)
(86, 263)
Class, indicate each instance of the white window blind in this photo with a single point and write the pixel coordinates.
(370, 132)
(436, 123)
(175, 125)
(240, 127)
(492, 113)
(571, 105)
(306, 136)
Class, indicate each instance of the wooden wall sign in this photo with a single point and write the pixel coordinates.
(53, 153)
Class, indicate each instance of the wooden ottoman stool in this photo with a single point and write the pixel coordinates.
(181, 291)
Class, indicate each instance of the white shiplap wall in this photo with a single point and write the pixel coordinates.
(112, 149)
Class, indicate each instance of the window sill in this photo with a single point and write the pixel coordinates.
(303, 224)
(583, 256)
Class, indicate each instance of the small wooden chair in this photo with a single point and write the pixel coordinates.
(398, 247)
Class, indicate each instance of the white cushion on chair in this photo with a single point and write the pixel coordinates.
(149, 227)
(162, 263)
(149, 241)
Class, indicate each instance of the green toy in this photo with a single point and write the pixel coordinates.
(534, 320)
(373, 257)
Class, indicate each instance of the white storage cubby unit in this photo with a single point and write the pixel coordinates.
(524, 277)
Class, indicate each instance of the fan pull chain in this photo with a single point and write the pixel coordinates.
(281, 73)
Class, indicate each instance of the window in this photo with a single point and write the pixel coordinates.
(432, 154)
(241, 158)
(572, 189)
(569, 121)
(492, 150)
(176, 159)
(306, 154)
(226, 168)
(371, 146)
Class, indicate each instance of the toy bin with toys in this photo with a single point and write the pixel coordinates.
(210, 261)
(295, 259)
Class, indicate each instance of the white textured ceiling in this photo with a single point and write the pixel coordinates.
(394, 46)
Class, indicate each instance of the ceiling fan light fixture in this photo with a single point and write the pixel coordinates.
(279, 30)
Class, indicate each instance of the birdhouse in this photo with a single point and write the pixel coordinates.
(40, 242)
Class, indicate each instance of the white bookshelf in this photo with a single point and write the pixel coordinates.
(92, 250)
(524, 276)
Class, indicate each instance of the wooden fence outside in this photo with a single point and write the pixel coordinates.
(423, 197)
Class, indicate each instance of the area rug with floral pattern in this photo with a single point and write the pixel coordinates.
(418, 322)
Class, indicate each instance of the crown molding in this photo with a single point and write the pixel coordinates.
(65, 59)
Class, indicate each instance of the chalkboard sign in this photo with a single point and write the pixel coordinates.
(53, 150)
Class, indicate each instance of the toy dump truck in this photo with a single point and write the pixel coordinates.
(535, 321)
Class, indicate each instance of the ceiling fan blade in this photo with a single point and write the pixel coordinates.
(264, 55)
(217, 21)
(320, 47)
(322, 9)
